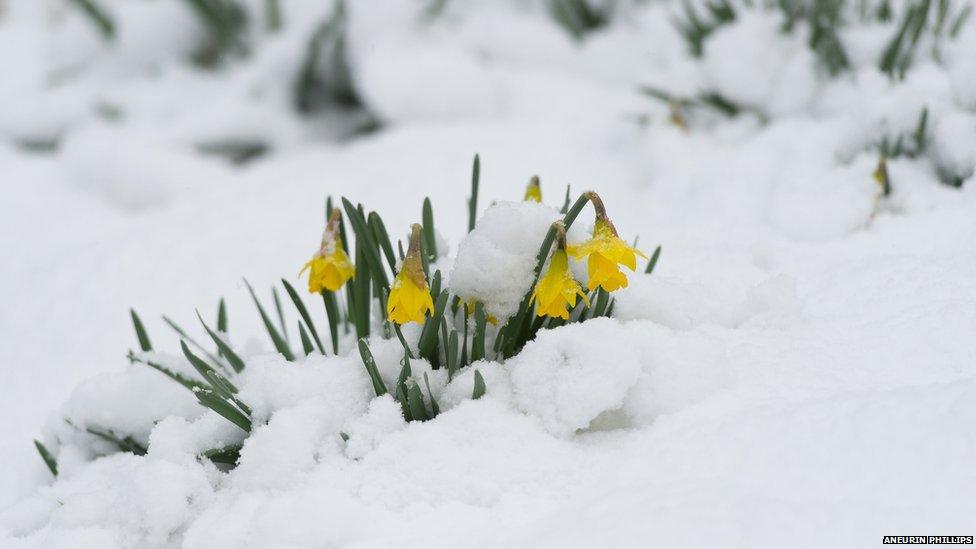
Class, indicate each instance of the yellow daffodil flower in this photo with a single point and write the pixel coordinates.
(676, 115)
(555, 293)
(410, 297)
(469, 308)
(605, 251)
(330, 266)
(881, 176)
(533, 192)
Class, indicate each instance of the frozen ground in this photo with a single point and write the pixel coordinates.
(800, 369)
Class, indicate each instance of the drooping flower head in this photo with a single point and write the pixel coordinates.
(410, 297)
(330, 266)
(881, 176)
(605, 251)
(555, 293)
(533, 191)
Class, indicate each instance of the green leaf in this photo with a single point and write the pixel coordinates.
(141, 334)
(190, 384)
(227, 455)
(220, 385)
(464, 343)
(428, 335)
(98, 16)
(960, 20)
(415, 401)
(370, 247)
(578, 17)
(374, 375)
(720, 103)
(52, 464)
(234, 150)
(276, 338)
(272, 14)
(430, 237)
(602, 300)
(480, 325)
(403, 341)
(124, 444)
(232, 357)
(306, 342)
(405, 370)
(653, 261)
(920, 131)
(332, 313)
(226, 23)
(222, 316)
(361, 297)
(435, 283)
(473, 201)
(435, 409)
(281, 313)
(401, 387)
(209, 399)
(565, 207)
(401, 398)
(303, 312)
(325, 78)
(183, 335)
(479, 386)
(453, 360)
(383, 239)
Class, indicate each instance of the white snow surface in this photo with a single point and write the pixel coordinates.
(798, 371)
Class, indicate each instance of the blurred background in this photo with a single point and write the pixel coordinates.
(154, 152)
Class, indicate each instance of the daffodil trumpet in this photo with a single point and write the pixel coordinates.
(410, 297)
(533, 191)
(556, 291)
(330, 267)
(605, 251)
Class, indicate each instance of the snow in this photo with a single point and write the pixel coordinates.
(799, 370)
(496, 261)
(754, 64)
(569, 377)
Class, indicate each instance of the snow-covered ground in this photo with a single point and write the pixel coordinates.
(798, 371)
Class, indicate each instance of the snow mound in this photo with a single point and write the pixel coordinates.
(495, 262)
(753, 63)
(569, 376)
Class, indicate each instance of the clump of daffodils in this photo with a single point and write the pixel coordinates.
(605, 252)
(330, 267)
(448, 337)
(556, 292)
(410, 297)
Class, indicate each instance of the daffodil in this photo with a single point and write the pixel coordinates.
(469, 308)
(556, 292)
(605, 252)
(410, 297)
(881, 176)
(533, 191)
(330, 267)
(677, 115)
